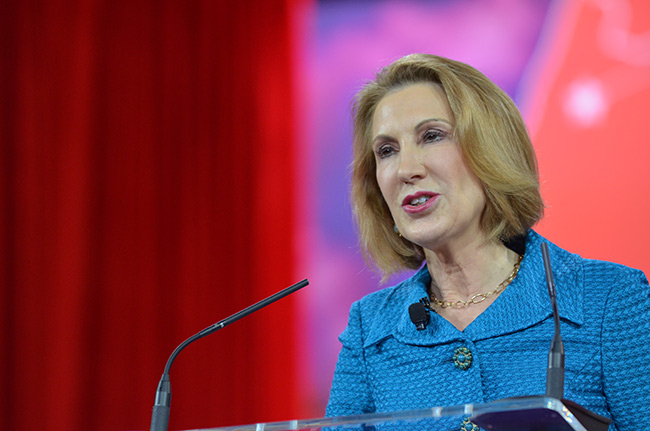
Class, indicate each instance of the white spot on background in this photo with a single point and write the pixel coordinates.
(586, 103)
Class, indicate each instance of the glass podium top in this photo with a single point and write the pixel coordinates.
(512, 414)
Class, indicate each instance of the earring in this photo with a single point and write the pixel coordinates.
(397, 231)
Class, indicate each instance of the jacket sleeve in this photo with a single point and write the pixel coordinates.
(350, 393)
(626, 351)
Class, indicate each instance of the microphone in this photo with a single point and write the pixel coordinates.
(555, 371)
(589, 420)
(419, 313)
(160, 415)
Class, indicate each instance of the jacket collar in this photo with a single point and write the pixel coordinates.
(523, 304)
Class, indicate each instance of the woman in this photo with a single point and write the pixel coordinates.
(444, 174)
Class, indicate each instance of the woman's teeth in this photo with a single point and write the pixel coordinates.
(419, 201)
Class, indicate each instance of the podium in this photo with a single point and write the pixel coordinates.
(537, 413)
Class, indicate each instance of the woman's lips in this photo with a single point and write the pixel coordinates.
(418, 202)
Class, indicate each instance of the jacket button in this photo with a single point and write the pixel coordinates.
(462, 358)
(467, 425)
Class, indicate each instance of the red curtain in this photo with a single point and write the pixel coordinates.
(147, 190)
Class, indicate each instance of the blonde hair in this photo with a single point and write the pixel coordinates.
(493, 140)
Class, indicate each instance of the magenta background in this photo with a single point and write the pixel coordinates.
(580, 72)
(349, 42)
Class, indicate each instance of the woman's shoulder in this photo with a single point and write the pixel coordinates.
(605, 269)
(407, 291)
(379, 314)
(587, 271)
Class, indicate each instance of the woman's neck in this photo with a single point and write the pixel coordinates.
(459, 273)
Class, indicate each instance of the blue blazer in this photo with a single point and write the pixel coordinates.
(385, 364)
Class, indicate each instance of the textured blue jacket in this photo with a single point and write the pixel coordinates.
(385, 364)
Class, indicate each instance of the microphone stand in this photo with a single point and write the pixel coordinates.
(555, 371)
(160, 415)
(554, 381)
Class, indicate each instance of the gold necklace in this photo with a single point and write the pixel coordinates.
(479, 297)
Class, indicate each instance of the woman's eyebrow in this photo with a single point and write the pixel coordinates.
(430, 120)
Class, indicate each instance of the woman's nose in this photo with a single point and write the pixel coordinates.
(411, 167)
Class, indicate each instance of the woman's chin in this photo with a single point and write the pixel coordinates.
(425, 238)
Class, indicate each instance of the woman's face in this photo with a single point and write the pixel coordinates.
(434, 198)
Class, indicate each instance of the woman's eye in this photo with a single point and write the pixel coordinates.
(385, 151)
(433, 136)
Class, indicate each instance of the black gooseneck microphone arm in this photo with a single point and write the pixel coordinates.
(160, 415)
(555, 371)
